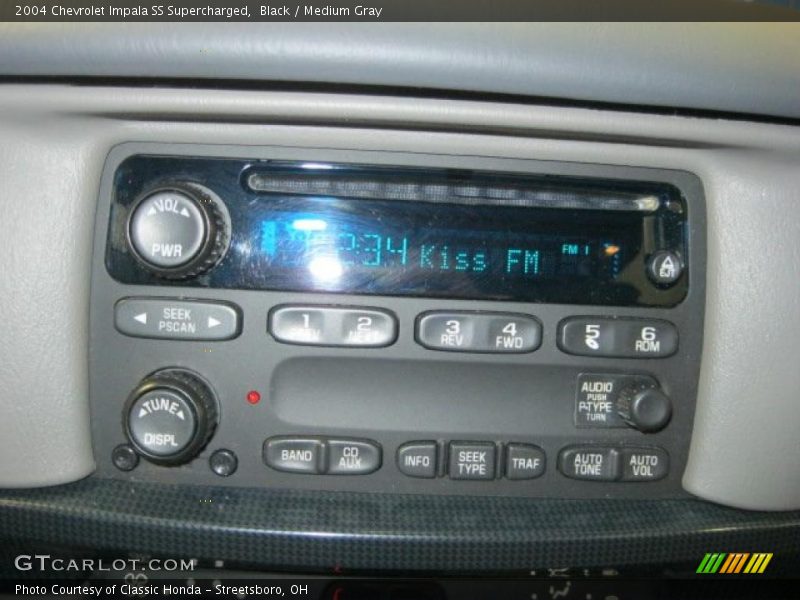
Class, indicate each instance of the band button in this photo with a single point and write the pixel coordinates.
(293, 455)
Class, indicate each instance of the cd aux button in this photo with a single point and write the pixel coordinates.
(353, 457)
(500, 333)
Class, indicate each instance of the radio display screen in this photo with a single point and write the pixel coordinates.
(421, 232)
(439, 249)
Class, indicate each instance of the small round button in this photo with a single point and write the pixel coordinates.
(223, 463)
(167, 229)
(124, 457)
(664, 268)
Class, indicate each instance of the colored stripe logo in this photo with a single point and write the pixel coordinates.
(735, 562)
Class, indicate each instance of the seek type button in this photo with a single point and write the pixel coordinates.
(592, 463)
(472, 460)
(353, 457)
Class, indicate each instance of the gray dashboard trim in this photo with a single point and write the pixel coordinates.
(744, 450)
(735, 67)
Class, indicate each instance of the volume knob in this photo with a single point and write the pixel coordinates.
(170, 416)
(179, 231)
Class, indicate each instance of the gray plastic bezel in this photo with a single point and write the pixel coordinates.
(405, 392)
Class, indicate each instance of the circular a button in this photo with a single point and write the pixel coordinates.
(161, 423)
(168, 229)
(664, 268)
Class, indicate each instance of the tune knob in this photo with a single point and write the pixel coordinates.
(179, 231)
(645, 408)
(170, 416)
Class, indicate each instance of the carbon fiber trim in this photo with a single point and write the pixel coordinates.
(359, 532)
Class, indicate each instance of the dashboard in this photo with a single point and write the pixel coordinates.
(324, 317)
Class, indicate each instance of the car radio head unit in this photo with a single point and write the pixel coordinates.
(429, 324)
(322, 227)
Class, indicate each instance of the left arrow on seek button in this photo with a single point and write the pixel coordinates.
(142, 318)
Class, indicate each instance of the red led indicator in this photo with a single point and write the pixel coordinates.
(253, 397)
